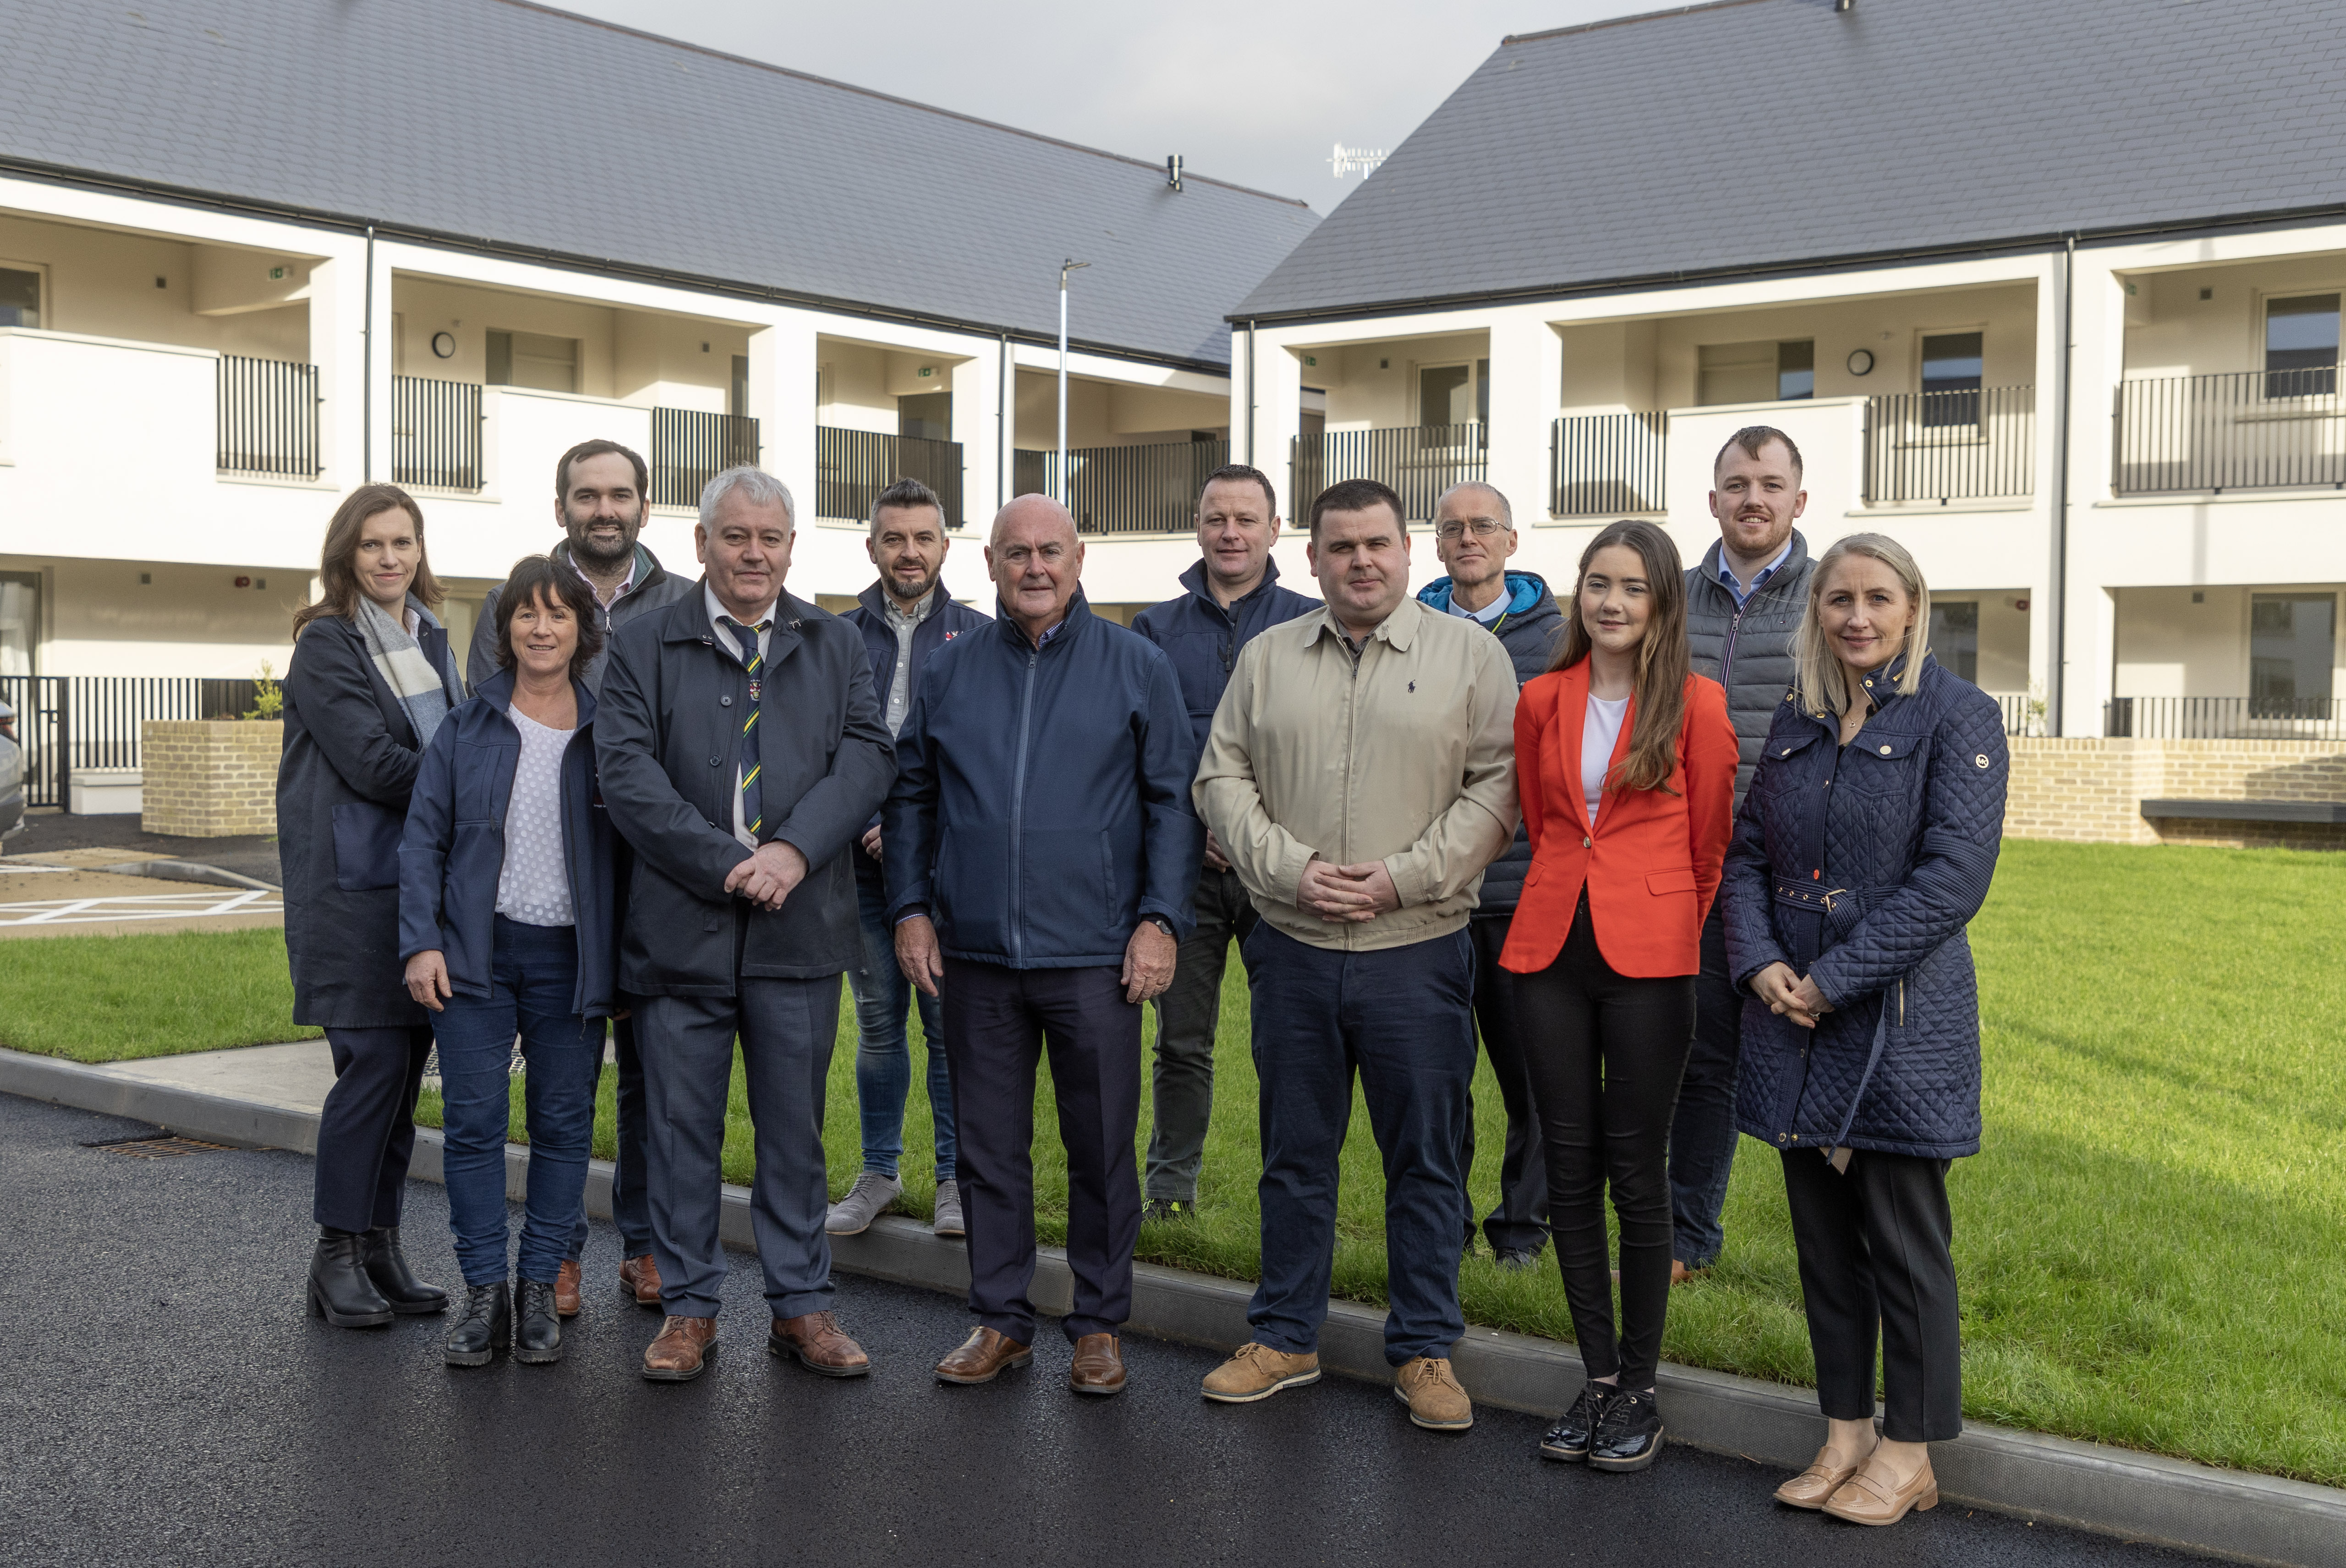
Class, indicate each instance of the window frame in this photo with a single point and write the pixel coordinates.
(2261, 346)
(48, 305)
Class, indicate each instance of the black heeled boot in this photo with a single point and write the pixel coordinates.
(537, 1329)
(340, 1291)
(483, 1326)
(386, 1265)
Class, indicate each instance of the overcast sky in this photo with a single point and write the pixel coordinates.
(1252, 91)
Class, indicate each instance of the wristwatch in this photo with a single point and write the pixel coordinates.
(1160, 923)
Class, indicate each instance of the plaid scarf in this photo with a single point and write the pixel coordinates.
(399, 658)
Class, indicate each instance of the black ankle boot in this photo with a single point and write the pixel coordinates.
(340, 1291)
(386, 1265)
(1628, 1434)
(483, 1326)
(537, 1330)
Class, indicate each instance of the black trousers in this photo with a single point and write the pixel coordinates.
(1520, 1222)
(998, 1022)
(1606, 1052)
(366, 1130)
(1875, 1245)
(1702, 1133)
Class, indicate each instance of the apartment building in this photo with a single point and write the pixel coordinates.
(2050, 293)
(255, 252)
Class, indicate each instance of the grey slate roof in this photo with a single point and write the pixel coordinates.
(1761, 133)
(539, 129)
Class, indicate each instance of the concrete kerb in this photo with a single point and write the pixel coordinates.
(2114, 1491)
(189, 871)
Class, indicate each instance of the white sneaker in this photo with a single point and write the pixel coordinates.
(949, 1221)
(866, 1201)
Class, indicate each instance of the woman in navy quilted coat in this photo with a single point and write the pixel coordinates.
(1863, 850)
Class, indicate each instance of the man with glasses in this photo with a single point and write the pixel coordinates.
(1474, 537)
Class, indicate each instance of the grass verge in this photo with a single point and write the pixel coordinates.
(115, 998)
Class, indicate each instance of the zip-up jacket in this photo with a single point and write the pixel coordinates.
(870, 617)
(654, 587)
(1041, 808)
(1747, 650)
(1528, 629)
(1203, 639)
(453, 850)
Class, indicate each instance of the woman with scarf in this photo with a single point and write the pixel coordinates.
(370, 682)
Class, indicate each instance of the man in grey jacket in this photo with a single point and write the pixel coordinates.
(1744, 603)
(599, 490)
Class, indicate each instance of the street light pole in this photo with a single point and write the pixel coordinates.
(1064, 267)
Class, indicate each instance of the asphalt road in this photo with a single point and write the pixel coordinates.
(169, 1402)
(48, 832)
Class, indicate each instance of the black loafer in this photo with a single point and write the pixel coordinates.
(1568, 1440)
(1628, 1434)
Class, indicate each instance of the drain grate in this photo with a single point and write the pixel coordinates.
(155, 1147)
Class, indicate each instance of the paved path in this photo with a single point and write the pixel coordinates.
(170, 1403)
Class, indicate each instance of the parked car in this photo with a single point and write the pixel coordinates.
(12, 775)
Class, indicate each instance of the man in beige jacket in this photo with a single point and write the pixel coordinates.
(1360, 774)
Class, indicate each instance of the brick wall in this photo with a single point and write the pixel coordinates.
(211, 778)
(2092, 790)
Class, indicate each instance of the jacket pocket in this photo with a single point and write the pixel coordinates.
(1072, 903)
(1676, 880)
(366, 846)
(971, 890)
(1885, 764)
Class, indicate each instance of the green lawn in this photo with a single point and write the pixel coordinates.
(113, 998)
(2152, 1246)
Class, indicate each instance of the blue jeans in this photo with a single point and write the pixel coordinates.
(1402, 1020)
(534, 978)
(883, 1053)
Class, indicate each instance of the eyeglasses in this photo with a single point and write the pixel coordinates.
(1481, 528)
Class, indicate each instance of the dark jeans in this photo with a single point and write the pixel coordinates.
(533, 981)
(998, 1022)
(1182, 1085)
(1520, 1222)
(1703, 1135)
(630, 1203)
(786, 1028)
(366, 1130)
(883, 1049)
(1875, 1246)
(1401, 1019)
(1606, 1052)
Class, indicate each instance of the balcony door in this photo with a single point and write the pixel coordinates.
(2292, 650)
(20, 297)
(530, 360)
(2302, 346)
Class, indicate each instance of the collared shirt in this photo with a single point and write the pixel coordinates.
(1487, 614)
(721, 622)
(1759, 579)
(627, 583)
(900, 689)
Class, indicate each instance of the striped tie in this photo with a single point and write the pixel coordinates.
(752, 812)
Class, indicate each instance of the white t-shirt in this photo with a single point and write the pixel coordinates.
(535, 886)
(1598, 733)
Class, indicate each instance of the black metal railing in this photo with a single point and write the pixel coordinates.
(435, 433)
(1950, 445)
(852, 467)
(2225, 717)
(1604, 464)
(690, 447)
(2243, 431)
(68, 722)
(1125, 489)
(1417, 462)
(267, 417)
(2022, 714)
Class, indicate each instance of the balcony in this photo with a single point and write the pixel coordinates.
(1125, 489)
(2225, 718)
(435, 433)
(1417, 462)
(690, 447)
(852, 467)
(2243, 431)
(268, 418)
(1607, 464)
(1949, 446)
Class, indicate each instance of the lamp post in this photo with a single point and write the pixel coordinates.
(1064, 267)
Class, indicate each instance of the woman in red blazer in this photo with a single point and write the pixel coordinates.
(1626, 762)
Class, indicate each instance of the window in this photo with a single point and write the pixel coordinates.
(527, 360)
(1446, 395)
(1951, 379)
(20, 625)
(20, 297)
(1954, 636)
(2292, 643)
(2302, 346)
(1796, 371)
(1768, 372)
(927, 416)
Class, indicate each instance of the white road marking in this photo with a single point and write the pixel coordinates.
(149, 906)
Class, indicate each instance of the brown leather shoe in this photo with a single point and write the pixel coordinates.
(565, 1290)
(1814, 1486)
(1870, 1497)
(639, 1277)
(820, 1344)
(1098, 1366)
(982, 1358)
(682, 1353)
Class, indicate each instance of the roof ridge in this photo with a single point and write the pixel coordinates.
(1622, 21)
(892, 98)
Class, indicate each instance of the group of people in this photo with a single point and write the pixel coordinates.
(1692, 852)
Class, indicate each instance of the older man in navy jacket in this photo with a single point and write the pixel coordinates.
(1041, 858)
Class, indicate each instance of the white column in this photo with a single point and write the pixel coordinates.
(1278, 416)
(2097, 364)
(1526, 384)
(980, 424)
(2038, 575)
(783, 398)
(339, 347)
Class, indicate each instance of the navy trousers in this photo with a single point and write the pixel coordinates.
(366, 1130)
(630, 1206)
(1520, 1222)
(1702, 1132)
(1402, 1020)
(998, 1022)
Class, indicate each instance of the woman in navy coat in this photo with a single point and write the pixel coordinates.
(1865, 846)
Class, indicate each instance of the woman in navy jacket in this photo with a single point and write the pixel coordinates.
(506, 923)
(1865, 846)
